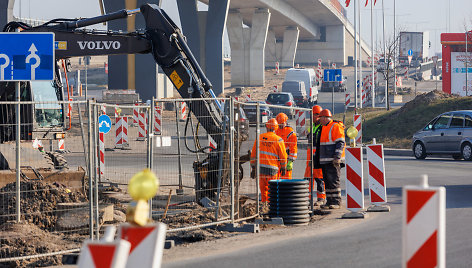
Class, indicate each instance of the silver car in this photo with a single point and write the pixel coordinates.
(448, 133)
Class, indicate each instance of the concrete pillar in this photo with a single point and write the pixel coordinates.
(289, 47)
(248, 48)
(6, 12)
(206, 39)
(131, 71)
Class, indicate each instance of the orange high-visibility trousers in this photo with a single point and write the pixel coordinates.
(287, 176)
(264, 186)
(317, 177)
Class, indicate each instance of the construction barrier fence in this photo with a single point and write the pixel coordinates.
(70, 187)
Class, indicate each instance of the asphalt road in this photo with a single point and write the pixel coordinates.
(377, 241)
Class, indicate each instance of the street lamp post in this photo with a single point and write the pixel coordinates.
(466, 63)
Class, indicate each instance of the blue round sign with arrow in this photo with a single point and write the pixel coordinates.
(104, 123)
(410, 52)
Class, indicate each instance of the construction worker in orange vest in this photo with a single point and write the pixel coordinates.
(289, 136)
(331, 155)
(272, 158)
(314, 136)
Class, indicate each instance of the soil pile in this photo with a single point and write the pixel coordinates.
(38, 202)
(425, 99)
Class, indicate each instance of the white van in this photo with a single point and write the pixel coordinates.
(308, 77)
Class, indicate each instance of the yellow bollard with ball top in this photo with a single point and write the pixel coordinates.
(142, 187)
(352, 132)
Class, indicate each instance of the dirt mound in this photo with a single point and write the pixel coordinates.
(38, 202)
(27, 239)
(426, 99)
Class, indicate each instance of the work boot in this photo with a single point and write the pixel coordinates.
(320, 202)
(325, 206)
(334, 206)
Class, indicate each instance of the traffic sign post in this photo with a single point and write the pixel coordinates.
(332, 75)
(410, 56)
(25, 57)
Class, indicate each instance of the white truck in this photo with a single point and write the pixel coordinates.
(308, 77)
(418, 43)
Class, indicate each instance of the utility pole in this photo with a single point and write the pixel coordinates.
(355, 55)
(394, 50)
(372, 54)
(385, 57)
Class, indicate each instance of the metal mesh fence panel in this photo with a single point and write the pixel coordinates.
(195, 184)
(53, 210)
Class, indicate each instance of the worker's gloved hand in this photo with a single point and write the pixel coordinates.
(283, 171)
(289, 165)
(337, 162)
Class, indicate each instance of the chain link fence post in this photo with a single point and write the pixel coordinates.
(231, 155)
(258, 162)
(90, 166)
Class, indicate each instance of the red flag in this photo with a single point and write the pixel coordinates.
(366, 2)
(348, 2)
(375, 1)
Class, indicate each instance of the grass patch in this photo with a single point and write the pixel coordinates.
(396, 127)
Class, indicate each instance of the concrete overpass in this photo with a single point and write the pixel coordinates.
(263, 32)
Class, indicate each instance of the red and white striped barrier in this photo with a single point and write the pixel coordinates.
(147, 244)
(135, 113)
(424, 226)
(142, 127)
(103, 109)
(300, 123)
(333, 65)
(121, 132)
(101, 155)
(318, 72)
(157, 119)
(99, 254)
(183, 111)
(358, 125)
(347, 100)
(354, 179)
(399, 81)
(369, 61)
(247, 97)
(277, 68)
(61, 145)
(276, 89)
(116, 112)
(376, 170)
(211, 143)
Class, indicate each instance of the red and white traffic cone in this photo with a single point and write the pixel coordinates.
(377, 182)
(60, 145)
(424, 226)
(354, 183)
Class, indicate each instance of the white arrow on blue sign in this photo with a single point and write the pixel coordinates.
(26, 56)
(410, 52)
(104, 123)
(332, 75)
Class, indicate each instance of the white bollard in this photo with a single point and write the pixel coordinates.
(424, 226)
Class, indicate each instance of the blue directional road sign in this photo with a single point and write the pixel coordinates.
(26, 56)
(410, 52)
(104, 123)
(332, 75)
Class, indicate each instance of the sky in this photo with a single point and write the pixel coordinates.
(435, 16)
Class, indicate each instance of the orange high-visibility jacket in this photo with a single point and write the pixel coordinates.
(332, 142)
(290, 139)
(272, 153)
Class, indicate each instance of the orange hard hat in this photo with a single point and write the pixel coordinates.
(326, 112)
(281, 118)
(272, 124)
(316, 109)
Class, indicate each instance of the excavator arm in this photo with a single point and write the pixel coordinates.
(162, 38)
